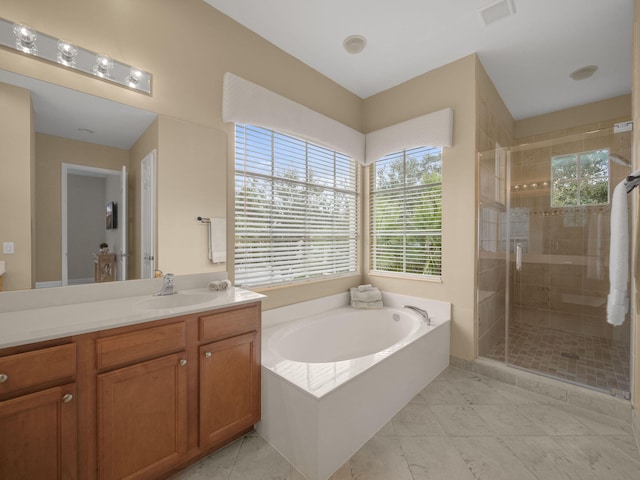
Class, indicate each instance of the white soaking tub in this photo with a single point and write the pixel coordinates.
(332, 376)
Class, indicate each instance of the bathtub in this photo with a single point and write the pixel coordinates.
(332, 376)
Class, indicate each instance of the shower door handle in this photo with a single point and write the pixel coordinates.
(518, 256)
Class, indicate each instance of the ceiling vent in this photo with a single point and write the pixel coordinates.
(497, 11)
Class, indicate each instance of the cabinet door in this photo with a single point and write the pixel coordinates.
(142, 418)
(229, 387)
(38, 435)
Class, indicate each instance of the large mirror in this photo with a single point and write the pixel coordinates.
(78, 187)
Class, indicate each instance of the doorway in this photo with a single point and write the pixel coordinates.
(93, 212)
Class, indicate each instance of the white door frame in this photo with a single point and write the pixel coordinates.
(148, 167)
(72, 169)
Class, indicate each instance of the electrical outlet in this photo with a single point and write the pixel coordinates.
(7, 248)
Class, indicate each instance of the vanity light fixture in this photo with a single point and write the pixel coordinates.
(21, 38)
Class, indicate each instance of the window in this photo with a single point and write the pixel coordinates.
(580, 179)
(406, 212)
(295, 209)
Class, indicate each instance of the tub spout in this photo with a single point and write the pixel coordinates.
(423, 313)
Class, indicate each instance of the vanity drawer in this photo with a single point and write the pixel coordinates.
(228, 323)
(139, 345)
(39, 367)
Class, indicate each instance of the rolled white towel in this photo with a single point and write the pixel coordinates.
(219, 285)
(372, 295)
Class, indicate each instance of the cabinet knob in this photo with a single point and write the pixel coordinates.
(67, 398)
(183, 362)
(3, 377)
(207, 355)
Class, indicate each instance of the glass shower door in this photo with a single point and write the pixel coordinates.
(552, 231)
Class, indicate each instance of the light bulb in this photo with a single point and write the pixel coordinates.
(67, 53)
(103, 66)
(135, 77)
(25, 39)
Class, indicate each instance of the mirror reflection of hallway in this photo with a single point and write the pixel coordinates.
(86, 193)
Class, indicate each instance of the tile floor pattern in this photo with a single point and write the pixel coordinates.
(600, 362)
(463, 426)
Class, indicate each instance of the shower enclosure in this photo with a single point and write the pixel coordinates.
(543, 258)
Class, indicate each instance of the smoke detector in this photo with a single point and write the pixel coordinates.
(354, 44)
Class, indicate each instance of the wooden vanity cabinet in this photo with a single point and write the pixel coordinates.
(229, 374)
(172, 391)
(136, 402)
(38, 414)
(142, 405)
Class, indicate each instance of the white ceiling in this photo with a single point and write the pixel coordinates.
(64, 112)
(529, 55)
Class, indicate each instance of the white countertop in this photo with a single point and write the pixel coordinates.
(46, 323)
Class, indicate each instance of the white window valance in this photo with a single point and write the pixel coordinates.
(433, 129)
(247, 103)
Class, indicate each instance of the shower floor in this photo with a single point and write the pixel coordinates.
(593, 361)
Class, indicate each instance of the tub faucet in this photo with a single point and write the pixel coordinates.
(423, 313)
(167, 286)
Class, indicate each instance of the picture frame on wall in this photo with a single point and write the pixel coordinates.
(112, 215)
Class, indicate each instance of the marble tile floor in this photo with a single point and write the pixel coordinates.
(463, 426)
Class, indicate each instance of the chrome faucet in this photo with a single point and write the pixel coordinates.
(423, 313)
(167, 286)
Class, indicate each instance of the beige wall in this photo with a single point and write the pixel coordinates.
(450, 86)
(16, 192)
(51, 153)
(187, 82)
(191, 184)
(573, 120)
(187, 88)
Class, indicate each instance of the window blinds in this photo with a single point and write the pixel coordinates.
(406, 212)
(295, 209)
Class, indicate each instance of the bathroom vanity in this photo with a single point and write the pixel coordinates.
(136, 401)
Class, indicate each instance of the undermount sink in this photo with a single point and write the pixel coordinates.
(177, 300)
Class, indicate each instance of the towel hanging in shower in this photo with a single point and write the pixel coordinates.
(618, 299)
